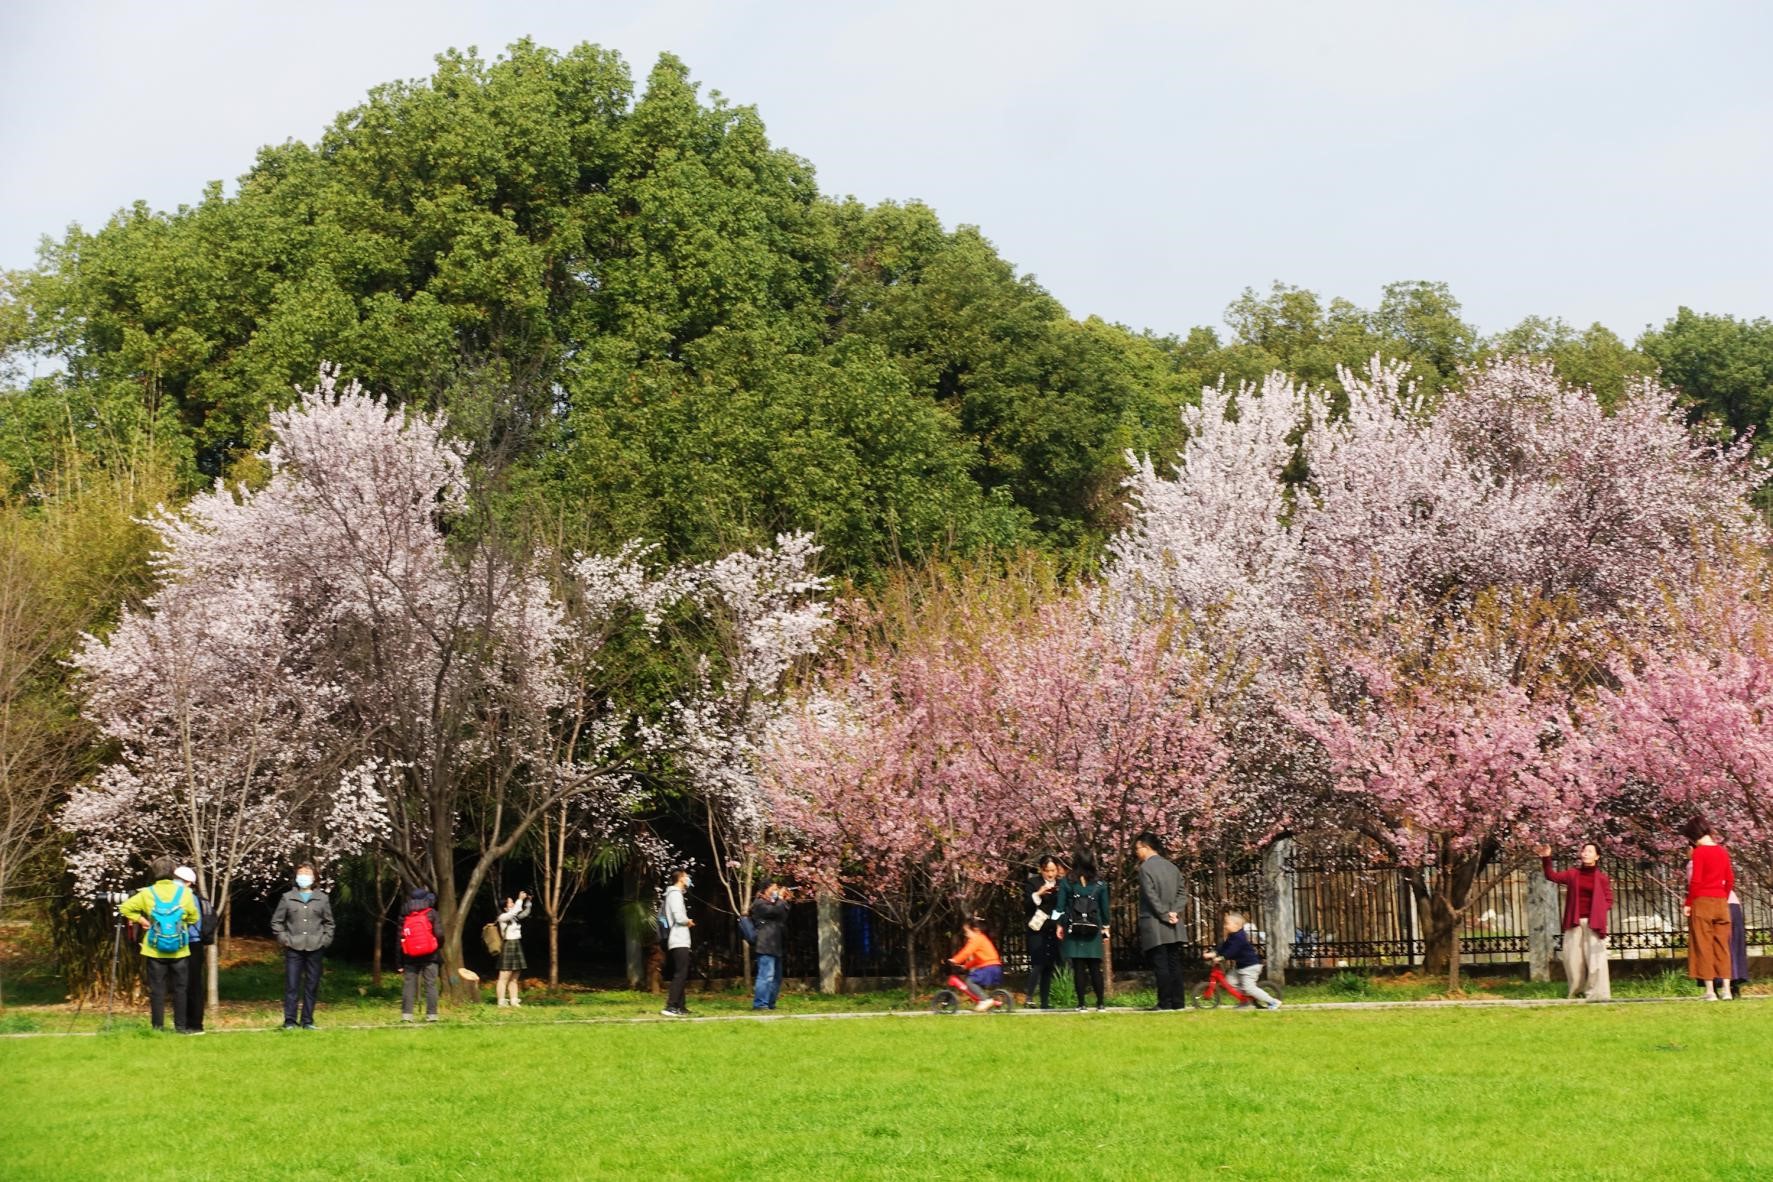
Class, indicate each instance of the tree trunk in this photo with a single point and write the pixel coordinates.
(1441, 939)
(553, 951)
(910, 963)
(377, 924)
(452, 914)
(747, 880)
(211, 968)
(1455, 885)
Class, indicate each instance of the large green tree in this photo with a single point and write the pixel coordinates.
(708, 350)
(1724, 364)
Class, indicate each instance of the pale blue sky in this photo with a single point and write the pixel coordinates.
(1597, 161)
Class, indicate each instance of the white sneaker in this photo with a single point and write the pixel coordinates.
(1273, 1005)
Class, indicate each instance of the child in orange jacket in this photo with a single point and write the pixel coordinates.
(978, 957)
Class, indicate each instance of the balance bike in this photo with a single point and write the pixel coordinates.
(947, 999)
(1207, 995)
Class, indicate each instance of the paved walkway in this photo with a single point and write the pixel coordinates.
(1113, 1011)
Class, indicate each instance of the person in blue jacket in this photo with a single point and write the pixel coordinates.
(1247, 965)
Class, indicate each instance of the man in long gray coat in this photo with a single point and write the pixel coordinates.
(1160, 917)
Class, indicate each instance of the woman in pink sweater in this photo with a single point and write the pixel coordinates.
(1710, 880)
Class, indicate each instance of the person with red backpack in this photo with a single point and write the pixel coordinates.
(421, 952)
(166, 910)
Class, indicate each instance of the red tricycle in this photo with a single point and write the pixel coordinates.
(1206, 995)
(947, 999)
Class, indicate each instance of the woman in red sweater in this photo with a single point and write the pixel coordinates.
(1586, 905)
(1709, 883)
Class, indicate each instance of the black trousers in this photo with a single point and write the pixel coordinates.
(679, 959)
(1166, 965)
(167, 978)
(1087, 970)
(1043, 963)
(301, 982)
(196, 989)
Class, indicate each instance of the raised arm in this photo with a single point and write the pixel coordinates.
(1565, 877)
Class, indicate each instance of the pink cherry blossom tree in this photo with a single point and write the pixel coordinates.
(1386, 529)
(922, 770)
(1449, 743)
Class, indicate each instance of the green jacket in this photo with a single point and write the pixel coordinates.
(140, 909)
(1090, 949)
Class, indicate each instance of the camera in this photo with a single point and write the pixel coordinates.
(112, 898)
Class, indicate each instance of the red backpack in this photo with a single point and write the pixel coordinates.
(417, 936)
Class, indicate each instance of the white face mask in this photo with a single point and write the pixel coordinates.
(304, 881)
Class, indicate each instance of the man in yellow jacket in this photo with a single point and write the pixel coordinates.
(166, 910)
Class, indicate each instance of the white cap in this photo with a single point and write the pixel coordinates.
(185, 874)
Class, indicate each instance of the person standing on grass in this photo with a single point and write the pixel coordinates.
(677, 942)
(201, 935)
(1588, 897)
(769, 914)
(303, 925)
(1710, 881)
(511, 960)
(1040, 903)
(1160, 918)
(1083, 925)
(421, 953)
(166, 912)
(1738, 946)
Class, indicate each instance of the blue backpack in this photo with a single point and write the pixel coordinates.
(166, 928)
(198, 933)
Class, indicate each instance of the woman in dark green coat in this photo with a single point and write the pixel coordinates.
(1083, 928)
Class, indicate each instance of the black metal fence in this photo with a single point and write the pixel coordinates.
(1348, 912)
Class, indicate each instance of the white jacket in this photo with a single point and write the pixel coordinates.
(677, 915)
(509, 926)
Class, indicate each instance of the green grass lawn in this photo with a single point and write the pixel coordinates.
(1595, 1092)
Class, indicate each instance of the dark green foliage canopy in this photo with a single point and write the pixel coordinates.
(684, 340)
